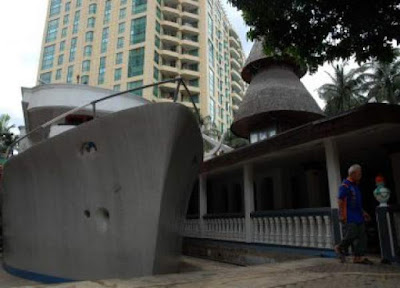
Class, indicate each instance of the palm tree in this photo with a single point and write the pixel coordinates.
(383, 80)
(6, 136)
(346, 90)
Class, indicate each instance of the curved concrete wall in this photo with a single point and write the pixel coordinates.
(72, 212)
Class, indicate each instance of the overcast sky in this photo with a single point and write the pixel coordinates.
(20, 51)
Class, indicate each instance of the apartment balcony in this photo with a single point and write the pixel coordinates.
(168, 69)
(236, 86)
(169, 23)
(172, 39)
(168, 53)
(192, 89)
(190, 14)
(168, 88)
(190, 28)
(190, 42)
(170, 10)
(191, 58)
(190, 73)
(234, 42)
(236, 98)
(236, 76)
(234, 53)
(236, 65)
(190, 4)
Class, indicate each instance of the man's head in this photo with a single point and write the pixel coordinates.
(355, 172)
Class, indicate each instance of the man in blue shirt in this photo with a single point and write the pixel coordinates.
(353, 217)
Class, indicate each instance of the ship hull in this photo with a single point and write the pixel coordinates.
(103, 200)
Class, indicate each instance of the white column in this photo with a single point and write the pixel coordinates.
(202, 203)
(333, 169)
(248, 200)
(395, 159)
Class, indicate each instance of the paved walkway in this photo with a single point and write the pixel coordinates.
(315, 272)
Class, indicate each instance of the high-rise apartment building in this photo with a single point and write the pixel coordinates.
(122, 44)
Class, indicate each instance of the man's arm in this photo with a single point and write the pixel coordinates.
(342, 203)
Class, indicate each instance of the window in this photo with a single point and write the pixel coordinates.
(156, 57)
(212, 110)
(64, 32)
(136, 62)
(55, 7)
(117, 87)
(211, 83)
(70, 74)
(67, 6)
(155, 91)
(87, 51)
(119, 58)
(107, 12)
(117, 74)
(86, 66)
(89, 36)
(102, 70)
(122, 13)
(123, 2)
(158, 27)
(136, 84)
(138, 30)
(78, 3)
(156, 74)
(91, 22)
(139, 6)
(93, 8)
(158, 13)
(121, 28)
(52, 29)
(211, 53)
(76, 22)
(62, 46)
(157, 42)
(85, 79)
(48, 57)
(104, 39)
(60, 60)
(120, 42)
(58, 74)
(46, 77)
(210, 27)
(72, 50)
(66, 19)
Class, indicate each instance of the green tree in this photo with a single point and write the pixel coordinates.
(346, 90)
(311, 32)
(6, 136)
(383, 80)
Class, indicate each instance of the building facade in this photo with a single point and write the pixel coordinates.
(123, 44)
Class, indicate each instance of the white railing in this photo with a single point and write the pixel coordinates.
(301, 231)
(310, 228)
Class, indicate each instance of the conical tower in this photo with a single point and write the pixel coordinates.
(275, 100)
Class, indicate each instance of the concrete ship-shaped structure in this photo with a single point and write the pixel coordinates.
(104, 199)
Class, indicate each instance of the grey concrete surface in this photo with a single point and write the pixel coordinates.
(314, 272)
(79, 214)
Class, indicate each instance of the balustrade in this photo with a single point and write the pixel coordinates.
(298, 228)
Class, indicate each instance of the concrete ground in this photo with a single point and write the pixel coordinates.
(313, 272)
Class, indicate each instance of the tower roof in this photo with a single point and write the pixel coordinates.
(275, 96)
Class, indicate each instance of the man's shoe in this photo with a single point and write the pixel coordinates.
(340, 254)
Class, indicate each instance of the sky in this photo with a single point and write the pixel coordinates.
(20, 52)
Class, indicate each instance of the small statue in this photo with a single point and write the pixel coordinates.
(381, 193)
